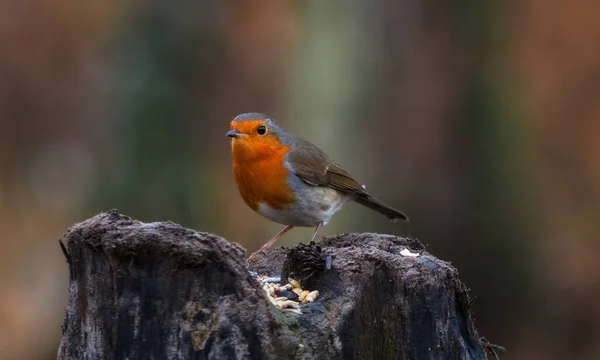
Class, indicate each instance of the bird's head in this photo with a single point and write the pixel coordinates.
(256, 135)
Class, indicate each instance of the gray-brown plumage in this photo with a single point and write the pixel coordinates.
(315, 168)
(289, 180)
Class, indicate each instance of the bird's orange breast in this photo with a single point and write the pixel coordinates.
(259, 172)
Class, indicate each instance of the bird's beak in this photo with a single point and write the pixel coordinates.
(234, 134)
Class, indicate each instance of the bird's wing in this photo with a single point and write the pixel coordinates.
(315, 168)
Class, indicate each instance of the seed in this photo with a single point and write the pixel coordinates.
(295, 311)
(297, 291)
(281, 298)
(290, 304)
(266, 289)
(287, 287)
(303, 295)
(312, 296)
(294, 283)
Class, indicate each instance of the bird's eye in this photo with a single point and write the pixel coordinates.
(261, 130)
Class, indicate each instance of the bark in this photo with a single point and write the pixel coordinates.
(160, 291)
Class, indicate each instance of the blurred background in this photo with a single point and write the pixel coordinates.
(478, 118)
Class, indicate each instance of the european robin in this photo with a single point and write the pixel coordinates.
(289, 180)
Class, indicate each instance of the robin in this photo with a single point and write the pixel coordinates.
(289, 180)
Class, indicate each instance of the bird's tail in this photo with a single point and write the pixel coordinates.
(375, 204)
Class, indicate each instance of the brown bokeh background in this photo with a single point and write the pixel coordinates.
(478, 118)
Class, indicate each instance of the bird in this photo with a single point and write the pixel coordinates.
(289, 180)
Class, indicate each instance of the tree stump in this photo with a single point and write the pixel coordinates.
(160, 291)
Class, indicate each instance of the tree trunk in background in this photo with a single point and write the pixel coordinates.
(155, 72)
(489, 141)
(331, 68)
(160, 291)
(330, 89)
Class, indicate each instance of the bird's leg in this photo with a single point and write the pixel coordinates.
(319, 226)
(269, 243)
(275, 238)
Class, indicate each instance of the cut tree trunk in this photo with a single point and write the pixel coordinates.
(160, 291)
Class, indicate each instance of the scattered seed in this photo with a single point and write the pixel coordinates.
(312, 296)
(283, 296)
(297, 291)
(295, 311)
(294, 283)
(303, 295)
(290, 304)
(408, 253)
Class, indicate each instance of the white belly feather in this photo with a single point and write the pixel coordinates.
(314, 204)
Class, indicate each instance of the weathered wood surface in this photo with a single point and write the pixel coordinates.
(160, 291)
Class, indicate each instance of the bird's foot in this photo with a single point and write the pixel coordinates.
(254, 255)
